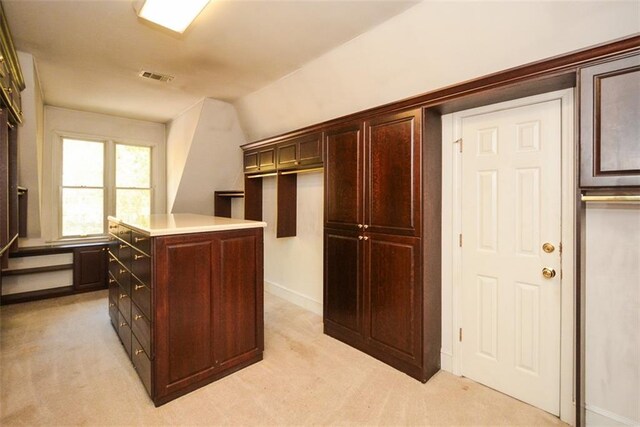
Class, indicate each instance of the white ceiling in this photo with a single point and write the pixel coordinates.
(89, 53)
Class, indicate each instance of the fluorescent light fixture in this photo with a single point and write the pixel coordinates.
(175, 15)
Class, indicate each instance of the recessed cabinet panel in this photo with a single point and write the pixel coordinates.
(343, 172)
(392, 171)
(310, 149)
(394, 291)
(610, 124)
(267, 159)
(343, 284)
(251, 161)
(287, 155)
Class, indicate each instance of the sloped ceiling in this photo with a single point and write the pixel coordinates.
(89, 53)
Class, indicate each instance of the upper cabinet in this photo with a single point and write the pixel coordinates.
(260, 160)
(303, 151)
(610, 124)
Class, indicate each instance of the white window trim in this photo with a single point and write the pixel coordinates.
(157, 179)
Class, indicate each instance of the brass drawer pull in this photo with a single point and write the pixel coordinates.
(138, 287)
(8, 90)
(123, 324)
(137, 352)
(122, 246)
(140, 239)
(122, 296)
(137, 317)
(112, 259)
(111, 304)
(111, 281)
(137, 257)
(122, 271)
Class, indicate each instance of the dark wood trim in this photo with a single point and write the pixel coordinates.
(34, 270)
(53, 249)
(287, 198)
(552, 73)
(253, 198)
(41, 294)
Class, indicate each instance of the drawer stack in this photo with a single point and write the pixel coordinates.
(130, 296)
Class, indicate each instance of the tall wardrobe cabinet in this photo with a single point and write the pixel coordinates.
(375, 298)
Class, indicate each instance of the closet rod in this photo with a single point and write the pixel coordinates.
(611, 198)
(301, 171)
(262, 175)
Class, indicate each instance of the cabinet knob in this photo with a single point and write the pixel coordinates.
(137, 317)
(123, 324)
(122, 271)
(360, 225)
(112, 281)
(360, 237)
(365, 226)
(366, 237)
(138, 351)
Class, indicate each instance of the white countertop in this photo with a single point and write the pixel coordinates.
(168, 224)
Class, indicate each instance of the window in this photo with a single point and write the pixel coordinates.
(100, 178)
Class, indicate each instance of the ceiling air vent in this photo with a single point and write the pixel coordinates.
(155, 76)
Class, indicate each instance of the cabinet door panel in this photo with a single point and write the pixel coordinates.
(392, 173)
(394, 295)
(310, 149)
(238, 296)
(610, 129)
(89, 270)
(184, 329)
(287, 155)
(343, 177)
(343, 282)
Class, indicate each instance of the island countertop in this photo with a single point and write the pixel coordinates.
(171, 224)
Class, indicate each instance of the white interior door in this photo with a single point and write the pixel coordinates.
(511, 207)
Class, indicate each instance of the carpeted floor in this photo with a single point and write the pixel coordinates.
(62, 364)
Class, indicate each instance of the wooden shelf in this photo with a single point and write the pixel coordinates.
(222, 201)
(34, 270)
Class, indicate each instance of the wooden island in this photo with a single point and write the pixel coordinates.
(186, 298)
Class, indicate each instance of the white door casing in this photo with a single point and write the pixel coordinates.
(511, 206)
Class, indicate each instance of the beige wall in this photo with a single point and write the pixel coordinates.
(429, 46)
(203, 155)
(30, 139)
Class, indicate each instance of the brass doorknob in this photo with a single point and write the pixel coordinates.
(548, 273)
(548, 248)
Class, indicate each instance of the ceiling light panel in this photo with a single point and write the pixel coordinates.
(172, 14)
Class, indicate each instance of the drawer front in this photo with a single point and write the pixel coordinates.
(141, 267)
(141, 242)
(141, 295)
(124, 233)
(113, 303)
(114, 289)
(141, 363)
(141, 328)
(124, 305)
(123, 277)
(113, 264)
(124, 332)
(125, 254)
(113, 229)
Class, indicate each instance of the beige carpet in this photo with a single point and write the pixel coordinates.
(62, 364)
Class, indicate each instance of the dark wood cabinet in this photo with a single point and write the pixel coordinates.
(610, 124)
(302, 151)
(260, 160)
(90, 268)
(189, 307)
(374, 295)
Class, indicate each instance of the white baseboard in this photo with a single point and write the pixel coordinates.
(293, 297)
(601, 417)
(446, 361)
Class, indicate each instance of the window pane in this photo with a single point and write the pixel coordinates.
(133, 166)
(82, 211)
(134, 205)
(82, 163)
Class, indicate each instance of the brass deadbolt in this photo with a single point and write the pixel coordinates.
(548, 273)
(548, 248)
